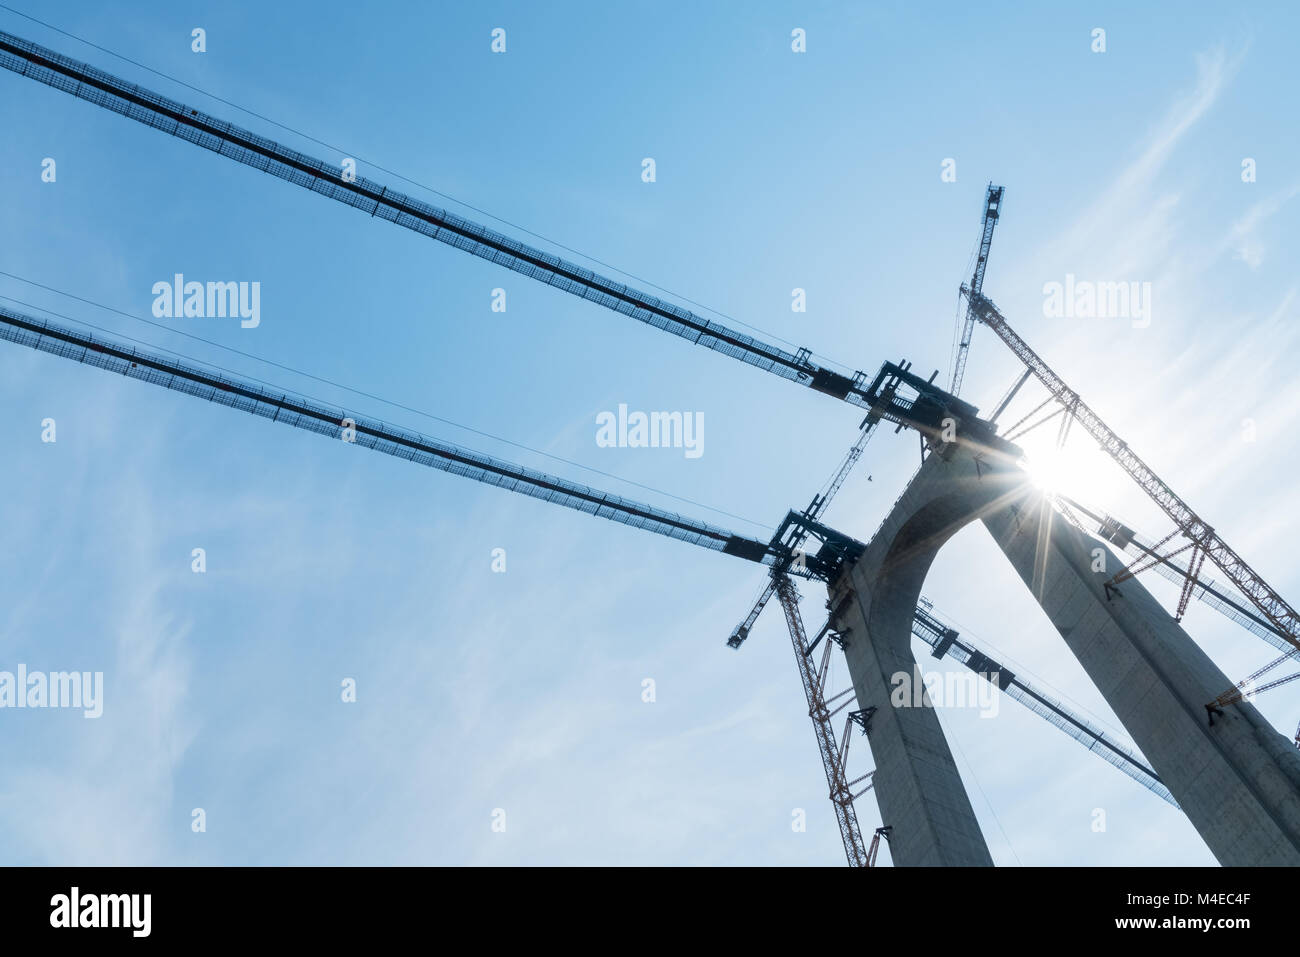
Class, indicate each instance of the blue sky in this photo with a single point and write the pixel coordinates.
(523, 690)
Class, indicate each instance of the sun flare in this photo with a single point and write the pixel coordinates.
(1078, 470)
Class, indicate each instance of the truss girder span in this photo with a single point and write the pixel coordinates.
(369, 433)
(201, 129)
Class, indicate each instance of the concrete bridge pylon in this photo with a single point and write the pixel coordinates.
(1237, 780)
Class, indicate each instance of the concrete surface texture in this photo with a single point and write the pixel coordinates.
(1238, 781)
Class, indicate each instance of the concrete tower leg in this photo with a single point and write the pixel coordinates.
(917, 784)
(1238, 781)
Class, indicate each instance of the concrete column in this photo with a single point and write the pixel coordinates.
(917, 783)
(1238, 781)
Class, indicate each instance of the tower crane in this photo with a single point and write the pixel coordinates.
(823, 565)
(895, 394)
(834, 757)
(992, 205)
(944, 642)
(1203, 541)
(103, 89)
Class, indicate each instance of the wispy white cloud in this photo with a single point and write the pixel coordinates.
(1243, 239)
(1129, 229)
(107, 783)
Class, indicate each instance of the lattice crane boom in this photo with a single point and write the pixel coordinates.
(1204, 589)
(992, 207)
(841, 794)
(800, 535)
(836, 481)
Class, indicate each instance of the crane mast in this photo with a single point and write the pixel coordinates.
(814, 511)
(778, 583)
(841, 793)
(992, 204)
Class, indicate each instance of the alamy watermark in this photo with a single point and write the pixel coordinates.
(1086, 299)
(179, 299)
(53, 689)
(950, 689)
(128, 911)
(651, 430)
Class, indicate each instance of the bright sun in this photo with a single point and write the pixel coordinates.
(1047, 472)
(1078, 470)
